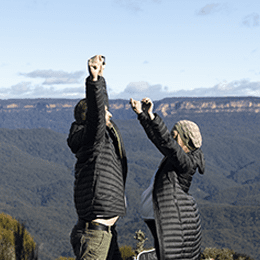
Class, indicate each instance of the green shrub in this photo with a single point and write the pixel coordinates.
(126, 252)
(15, 240)
(223, 254)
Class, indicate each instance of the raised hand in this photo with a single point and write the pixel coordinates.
(102, 66)
(136, 106)
(95, 66)
(149, 104)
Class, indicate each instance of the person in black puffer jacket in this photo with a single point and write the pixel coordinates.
(100, 170)
(170, 212)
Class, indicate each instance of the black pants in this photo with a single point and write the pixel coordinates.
(151, 225)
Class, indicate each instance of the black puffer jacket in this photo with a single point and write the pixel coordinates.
(176, 214)
(101, 168)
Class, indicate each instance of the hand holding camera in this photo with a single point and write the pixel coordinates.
(96, 66)
(146, 106)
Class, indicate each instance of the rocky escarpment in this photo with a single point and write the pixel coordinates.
(166, 106)
(171, 106)
(214, 105)
(47, 105)
(57, 114)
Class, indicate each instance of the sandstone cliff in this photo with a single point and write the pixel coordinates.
(166, 106)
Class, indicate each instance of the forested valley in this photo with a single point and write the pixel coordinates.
(37, 169)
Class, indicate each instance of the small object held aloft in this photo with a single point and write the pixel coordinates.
(145, 106)
(94, 60)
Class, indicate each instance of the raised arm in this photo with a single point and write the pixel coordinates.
(95, 118)
(157, 131)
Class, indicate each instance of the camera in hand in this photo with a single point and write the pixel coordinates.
(93, 60)
(145, 107)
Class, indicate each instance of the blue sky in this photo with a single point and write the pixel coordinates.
(153, 48)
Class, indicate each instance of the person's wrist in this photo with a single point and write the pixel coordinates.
(151, 115)
(94, 78)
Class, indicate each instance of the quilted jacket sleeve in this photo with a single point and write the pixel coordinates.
(158, 133)
(88, 136)
(95, 126)
(75, 136)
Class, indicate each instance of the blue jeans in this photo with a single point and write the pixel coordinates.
(89, 244)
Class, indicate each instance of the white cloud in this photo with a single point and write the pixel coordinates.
(139, 90)
(134, 5)
(251, 20)
(20, 88)
(209, 9)
(28, 90)
(136, 90)
(48, 88)
(55, 77)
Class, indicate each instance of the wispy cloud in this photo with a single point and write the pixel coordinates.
(136, 90)
(209, 9)
(30, 90)
(20, 88)
(139, 90)
(3, 64)
(222, 89)
(134, 5)
(251, 20)
(53, 77)
(52, 85)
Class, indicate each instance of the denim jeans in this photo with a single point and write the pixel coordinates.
(89, 244)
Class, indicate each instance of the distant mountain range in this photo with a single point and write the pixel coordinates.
(37, 169)
(57, 114)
